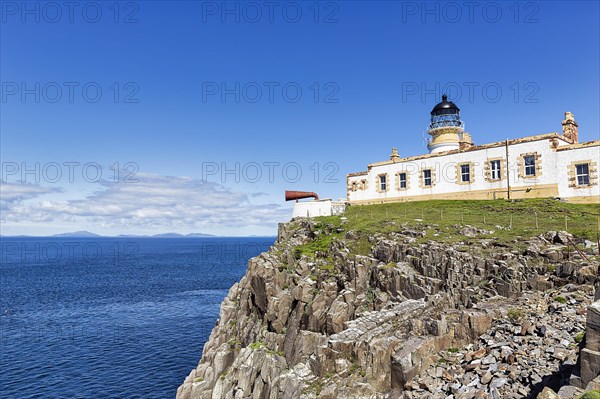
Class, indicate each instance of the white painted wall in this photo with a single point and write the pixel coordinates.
(553, 162)
(312, 208)
(564, 160)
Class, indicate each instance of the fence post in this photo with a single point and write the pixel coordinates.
(510, 225)
(536, 222)
(566, 224)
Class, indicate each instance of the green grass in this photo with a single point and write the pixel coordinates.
(560, 299)
(328, 266)
(355, 368)
(315, 386)
(582, 219)
(518, 220)
(591, 395)
(261, 345)
(256, 345)
(324, 238)
(514, 314)
(580, 336)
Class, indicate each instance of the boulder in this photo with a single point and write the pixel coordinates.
(569, 392)
(593, 385)
(548, 393)
(592, 337)
(590, 365)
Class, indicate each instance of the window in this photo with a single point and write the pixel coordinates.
(427, 177)
(402, 177)
(465, 173)
(529, 165)
(583, 174)
(382, 183)
(354, 185)
(495, 169)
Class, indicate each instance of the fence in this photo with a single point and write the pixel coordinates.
(584, 221)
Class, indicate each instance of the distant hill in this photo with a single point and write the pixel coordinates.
(87, 234)
(167, 235)
(177, 235)
(77, 234)
(192, 235)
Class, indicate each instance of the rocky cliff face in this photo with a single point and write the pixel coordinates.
(405, 320)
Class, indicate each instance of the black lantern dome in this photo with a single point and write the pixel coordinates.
(445, 107)
(445, 114)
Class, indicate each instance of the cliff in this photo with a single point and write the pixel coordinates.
(334, 312)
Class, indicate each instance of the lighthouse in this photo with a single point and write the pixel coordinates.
(446, 128)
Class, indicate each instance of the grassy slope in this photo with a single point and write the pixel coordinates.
(518, 219)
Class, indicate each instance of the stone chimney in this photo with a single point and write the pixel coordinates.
(465, 142)
(394, 156)
(570, 128)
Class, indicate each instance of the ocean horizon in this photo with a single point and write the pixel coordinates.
(111, 317)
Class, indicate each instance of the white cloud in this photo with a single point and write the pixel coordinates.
(13, 193)
(161, 203)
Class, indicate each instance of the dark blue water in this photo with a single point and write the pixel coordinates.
(110, 318)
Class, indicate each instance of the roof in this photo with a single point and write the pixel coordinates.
(445, 107)
(595, 143)
(546, 136)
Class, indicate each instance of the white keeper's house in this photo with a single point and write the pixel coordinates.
(547, 165)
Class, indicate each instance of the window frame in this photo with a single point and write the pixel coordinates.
(585, 175)
(463, 173)
(425, 171)
(531, 166)
(495, 173)
(383, 182)
(401, 181)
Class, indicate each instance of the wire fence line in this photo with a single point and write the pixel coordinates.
(494, 219)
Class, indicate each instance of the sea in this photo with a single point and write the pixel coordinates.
(111, 317)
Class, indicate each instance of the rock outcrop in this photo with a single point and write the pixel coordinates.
(390, 316)
(533, 346)
(590, 355)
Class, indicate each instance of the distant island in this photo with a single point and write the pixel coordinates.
(87, 234)
(81, 234)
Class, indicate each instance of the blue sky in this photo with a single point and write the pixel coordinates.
(177, 92)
